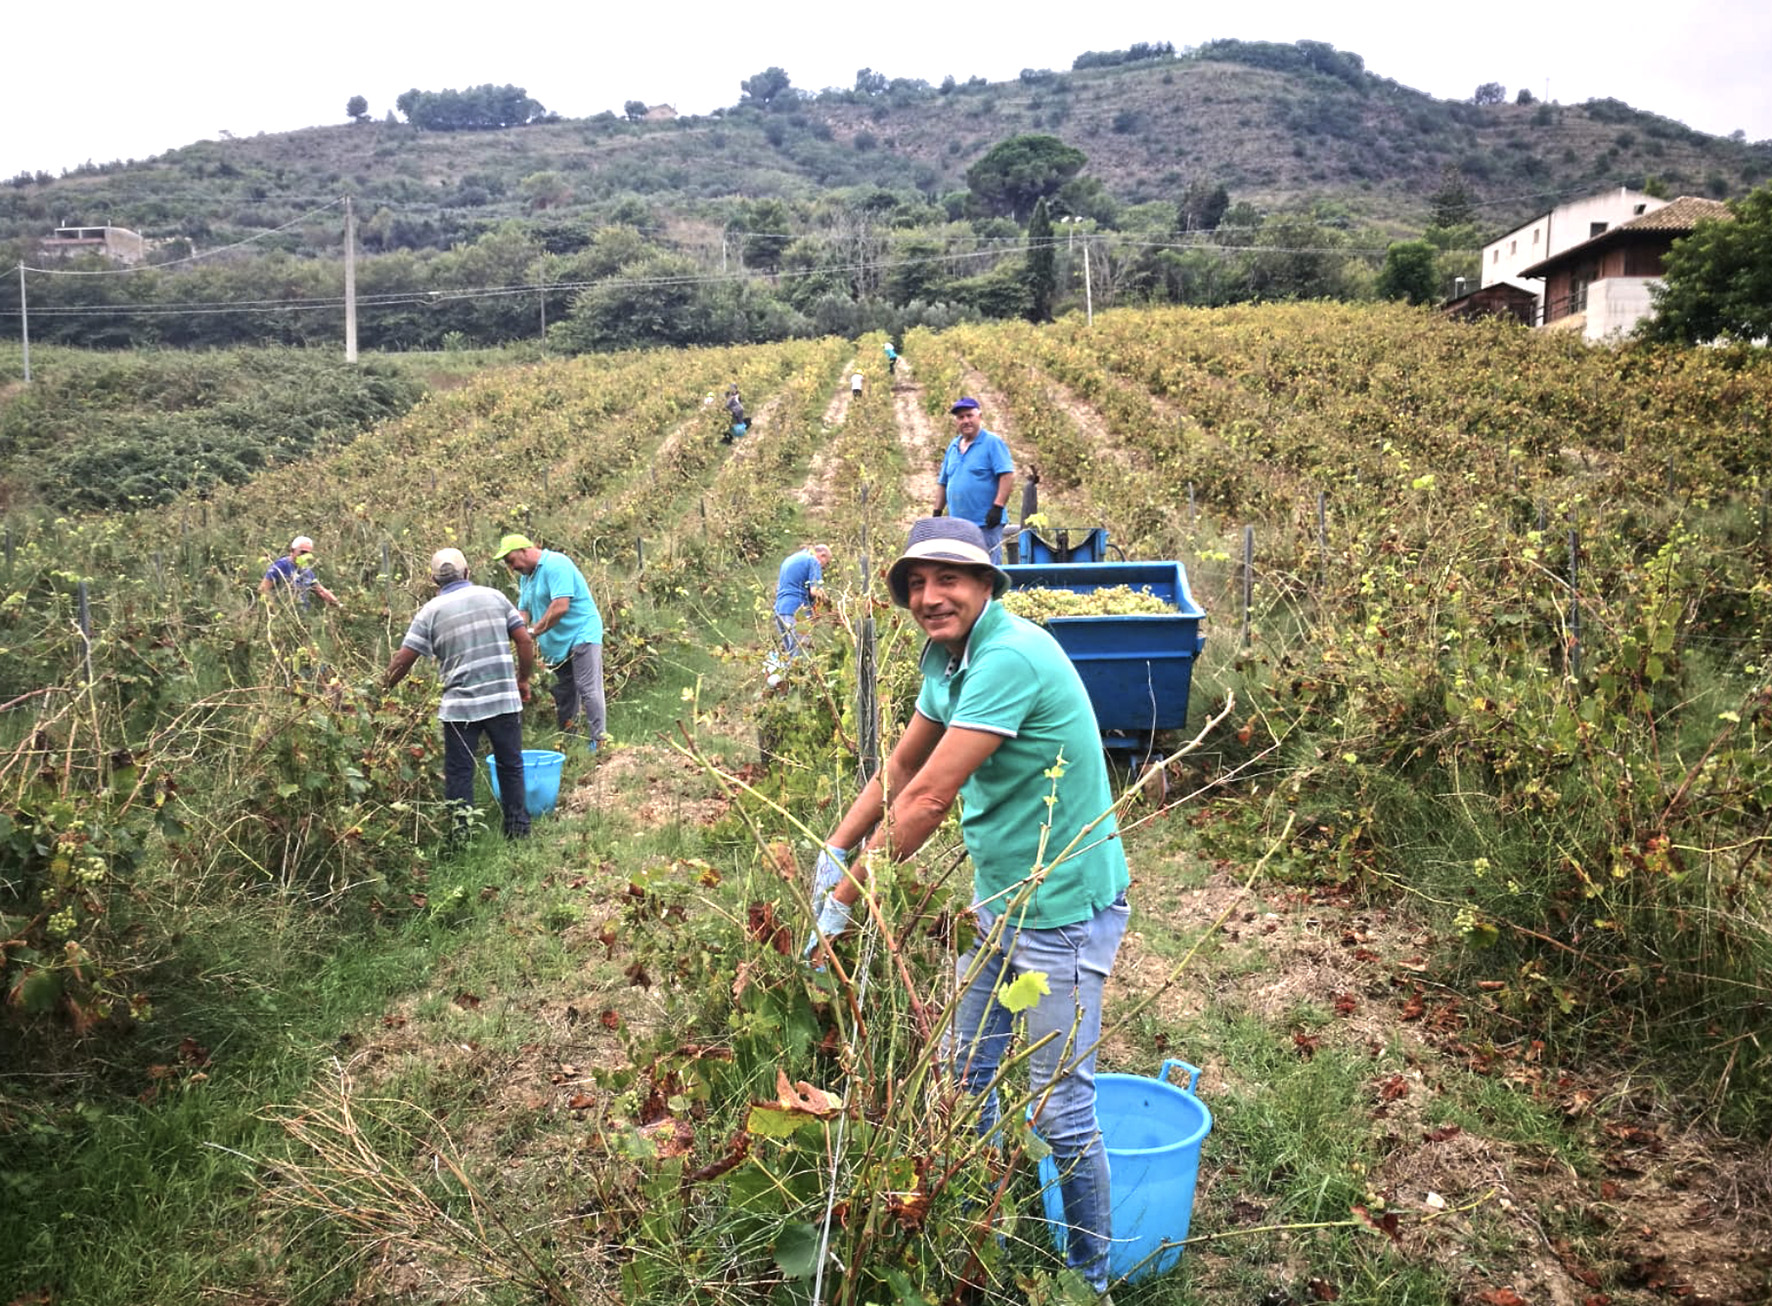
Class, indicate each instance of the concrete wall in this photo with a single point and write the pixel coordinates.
(1564, 227)
(1616, 305)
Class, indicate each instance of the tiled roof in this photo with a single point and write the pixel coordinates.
(1678, 215)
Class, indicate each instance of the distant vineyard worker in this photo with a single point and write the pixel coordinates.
(891, 360)
(855, 384)
(294, 573)
(470, 629)
(1003, 723)
(734, 410)
(799, 584)
(976, 475)
(567, 627)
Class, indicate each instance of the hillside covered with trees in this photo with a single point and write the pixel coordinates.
(1235, 171)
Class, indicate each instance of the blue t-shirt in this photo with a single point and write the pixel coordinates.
(793, 588)
(1046, 780)
(555, 577)
(970, 478)
(300, 579)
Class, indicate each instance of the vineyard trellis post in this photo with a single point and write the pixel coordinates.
(1248, 583)
(159, 569)
(639, 553)
(85, 619)
(1193, 517)
(9, 547)
(867, 707)
(1322, 543)
(1574, 603)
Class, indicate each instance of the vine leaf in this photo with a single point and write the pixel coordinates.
(1025, 991)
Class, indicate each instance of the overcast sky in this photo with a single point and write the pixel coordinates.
(104, 81)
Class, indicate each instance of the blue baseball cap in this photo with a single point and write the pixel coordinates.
(963, 403)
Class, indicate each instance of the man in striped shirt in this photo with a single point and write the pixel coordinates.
(469, 630)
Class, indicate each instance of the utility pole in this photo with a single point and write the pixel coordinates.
(350, 282)
(543, 278)
(1088, 289)
(24, 322)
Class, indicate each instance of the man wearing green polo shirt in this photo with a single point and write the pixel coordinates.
(556, 601)
(1004, 724)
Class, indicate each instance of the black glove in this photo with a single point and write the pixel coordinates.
(994, 517)
(938, 510)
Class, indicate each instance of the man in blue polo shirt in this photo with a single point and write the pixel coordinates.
(567, 628)
(800, 581)
(976, 475)
(293, 573)
(469, 629)
(1004, 724)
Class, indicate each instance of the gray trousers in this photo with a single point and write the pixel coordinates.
(578, 690)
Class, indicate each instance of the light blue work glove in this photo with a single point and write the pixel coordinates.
(833, 919)
(827, 872)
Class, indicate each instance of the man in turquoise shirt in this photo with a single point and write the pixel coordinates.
(563, 619)
(1004, 724)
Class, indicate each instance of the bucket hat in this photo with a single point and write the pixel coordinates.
(943, 539)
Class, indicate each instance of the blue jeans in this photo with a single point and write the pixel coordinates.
(461, 748)
(1076, 960)
(993, 540)
(788, 628)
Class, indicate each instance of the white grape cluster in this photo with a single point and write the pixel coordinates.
(1041, 605)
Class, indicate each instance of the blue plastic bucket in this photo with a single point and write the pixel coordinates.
(1153, 1131)
(541, 779)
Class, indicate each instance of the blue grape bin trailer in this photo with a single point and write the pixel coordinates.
(1137, 669)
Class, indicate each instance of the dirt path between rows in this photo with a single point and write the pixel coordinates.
(923, 444)
(815, 493)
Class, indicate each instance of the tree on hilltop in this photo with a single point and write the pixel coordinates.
(1022, 170)
(635, 110)
(358, 108)
(479, 108)
(1718, 280)
(1490, 93)
(766, 88)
